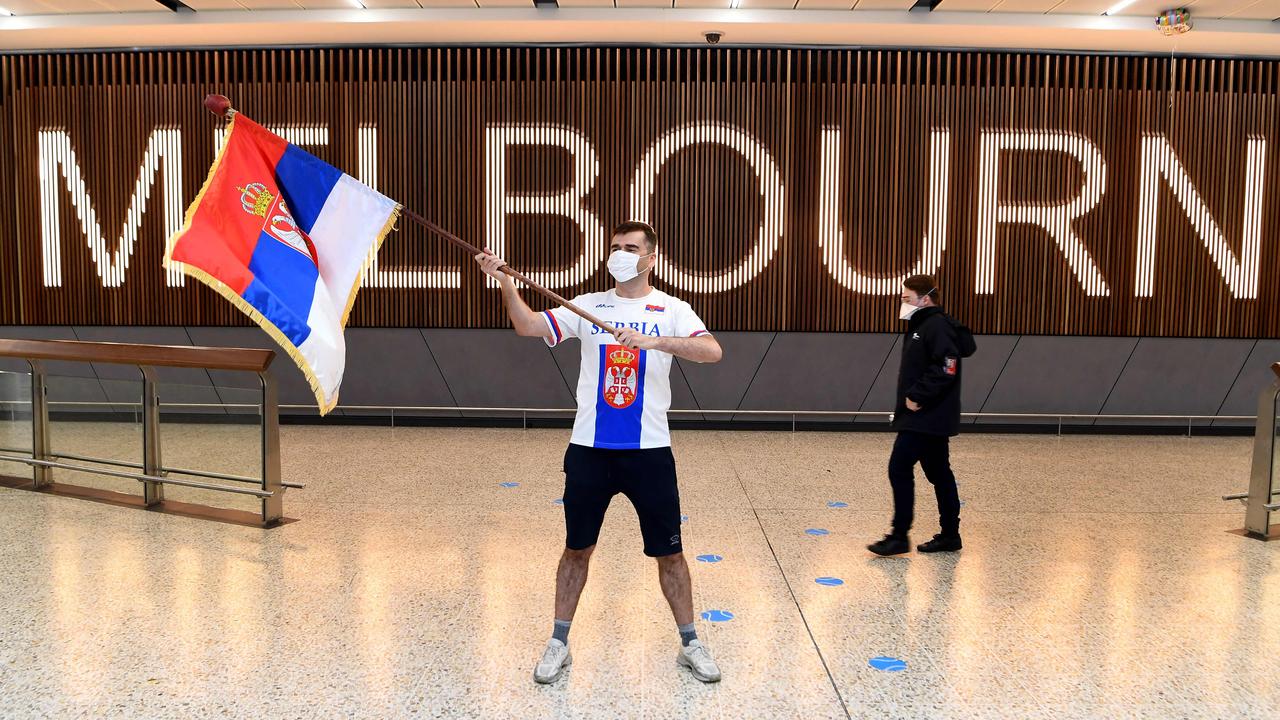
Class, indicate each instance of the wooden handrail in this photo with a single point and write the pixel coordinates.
(178, 356)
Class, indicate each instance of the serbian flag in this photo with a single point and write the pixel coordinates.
(286, 237)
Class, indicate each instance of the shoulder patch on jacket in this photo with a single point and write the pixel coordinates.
(949, 365)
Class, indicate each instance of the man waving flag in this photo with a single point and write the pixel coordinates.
(286, 237)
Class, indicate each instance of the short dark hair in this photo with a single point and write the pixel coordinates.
(923, 285)
(630, 226)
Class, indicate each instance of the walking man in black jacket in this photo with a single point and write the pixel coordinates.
(926, 416)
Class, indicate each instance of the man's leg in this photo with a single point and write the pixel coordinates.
(649, 481)
(906, 452)
(571, 577)
(936, 463)
(588, 489)
(902, 480)
(587, 492)
(673, 576)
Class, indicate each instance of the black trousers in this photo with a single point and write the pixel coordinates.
(933, 452)
(592, 476)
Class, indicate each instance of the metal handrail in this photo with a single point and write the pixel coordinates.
(834, 413)
(674, 411)
(140, 477)
(113, 403)
(139, 355)
(146, 358)
(139, 466)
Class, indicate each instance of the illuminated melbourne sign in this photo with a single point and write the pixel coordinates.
(792, 189)
(1160, 170)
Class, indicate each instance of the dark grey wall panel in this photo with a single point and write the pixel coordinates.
(882, 398)
(69, 389)
(801, 371)
(68, 382)
(981, 371)
(497, 368)
(29, 332)
(1256, 375)
(293, 387)
(568, 358)
(126, 395)
(681, 396)
(723, 385)
(177, 385)
(142, 335)
(885, 388)
(1059, 375)
(817, 371)
(391, 367)
(1178, 376)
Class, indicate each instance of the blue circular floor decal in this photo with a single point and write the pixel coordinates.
(837, 504)
(717, 615)
(888, 664)
(829, 581)
(558, 501)
(817, 531)
(510, 484)
(710, 558)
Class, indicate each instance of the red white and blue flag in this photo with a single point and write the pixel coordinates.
(286, 237)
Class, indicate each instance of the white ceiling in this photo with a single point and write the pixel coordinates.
(1221, 27)
(63, 7)
(1203, 9)
(1215, 9)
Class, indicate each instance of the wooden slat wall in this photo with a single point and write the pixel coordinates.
(431, 107)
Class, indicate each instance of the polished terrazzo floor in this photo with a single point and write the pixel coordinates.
(1098, 581)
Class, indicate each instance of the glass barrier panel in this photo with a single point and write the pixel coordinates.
(210, 429)
(96, 422)
(15, 422)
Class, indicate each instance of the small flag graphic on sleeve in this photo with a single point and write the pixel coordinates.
(286, 237)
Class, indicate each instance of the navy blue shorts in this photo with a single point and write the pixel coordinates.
(592, 476)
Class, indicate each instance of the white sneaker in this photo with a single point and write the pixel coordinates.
(554, 660)
(697, 658)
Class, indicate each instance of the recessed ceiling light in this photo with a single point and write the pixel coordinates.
(1119, 6)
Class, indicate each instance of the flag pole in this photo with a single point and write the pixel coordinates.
(515, 274)
(220, 105)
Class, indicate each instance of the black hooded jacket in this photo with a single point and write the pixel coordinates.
(929, 375)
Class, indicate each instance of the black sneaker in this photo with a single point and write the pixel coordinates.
(941, 542)
(891, 545)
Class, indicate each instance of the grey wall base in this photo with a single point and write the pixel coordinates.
(398, 367)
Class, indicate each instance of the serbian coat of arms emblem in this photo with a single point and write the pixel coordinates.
(621, 376)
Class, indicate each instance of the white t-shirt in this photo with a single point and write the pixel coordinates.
(623, 394)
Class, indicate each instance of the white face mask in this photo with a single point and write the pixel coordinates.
(906, 309)
(623, 265)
